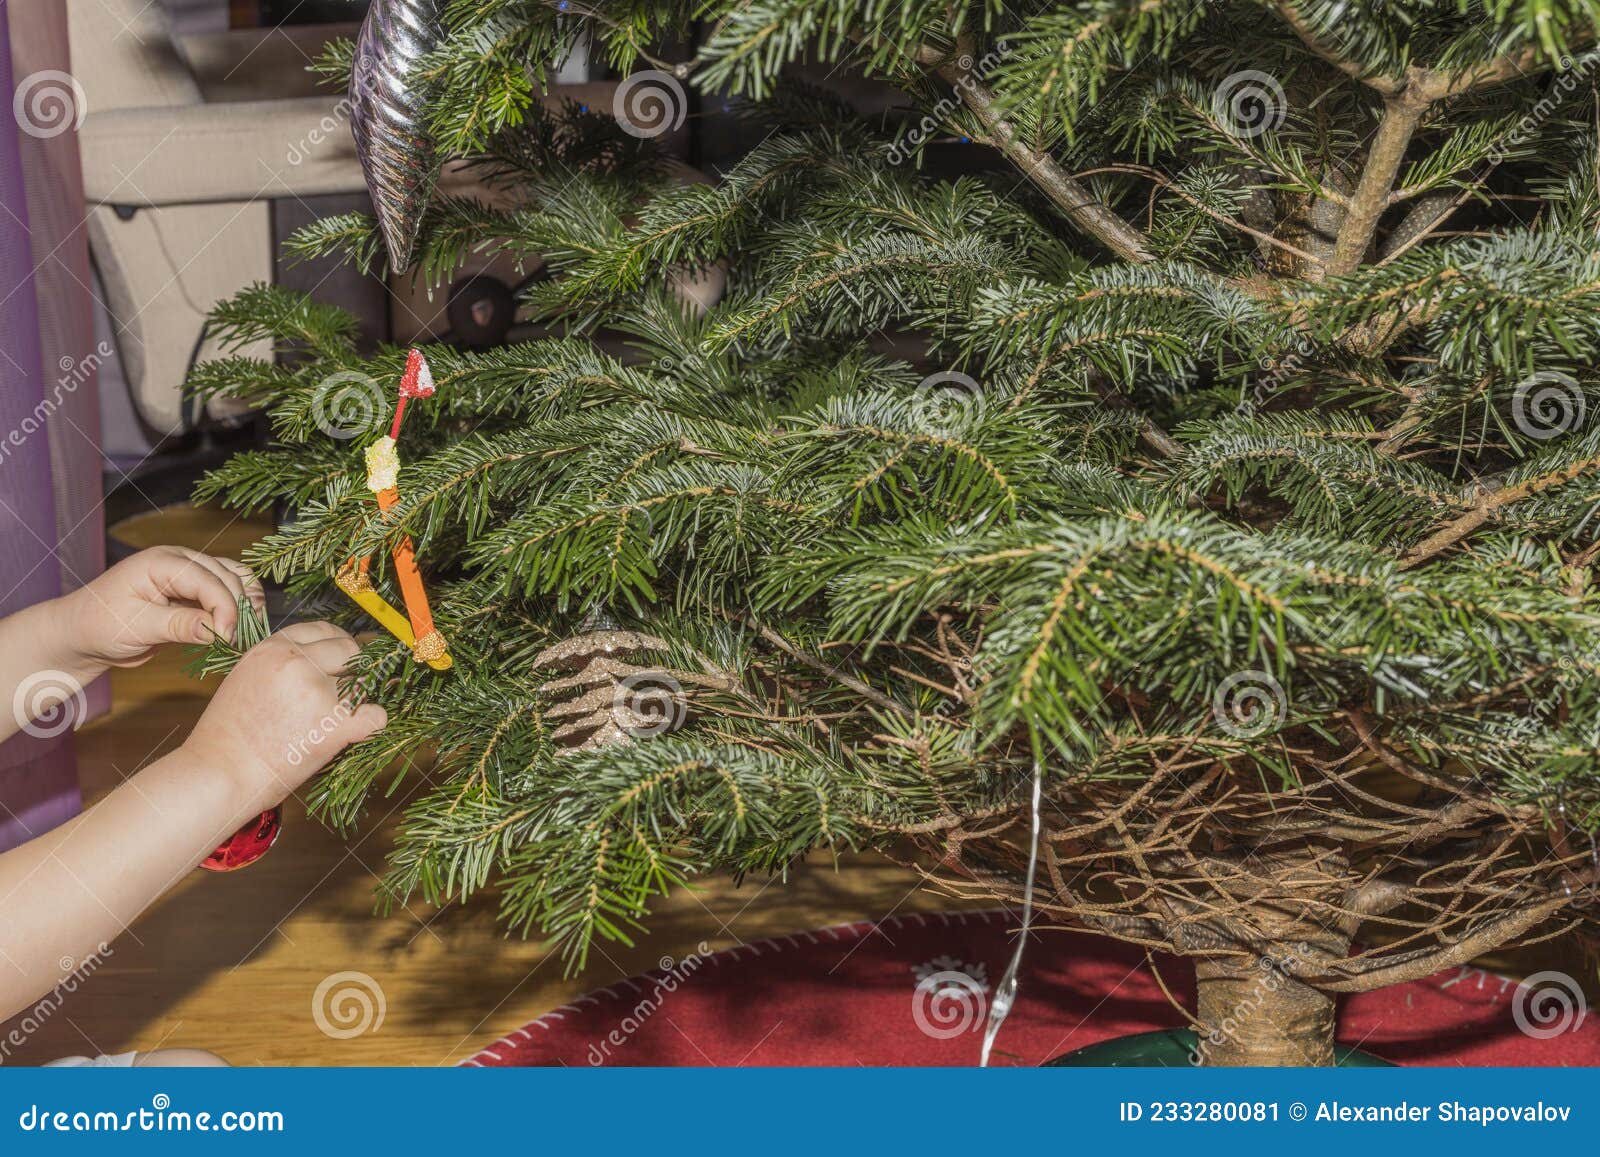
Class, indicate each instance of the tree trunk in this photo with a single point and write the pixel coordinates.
(1261, 1015)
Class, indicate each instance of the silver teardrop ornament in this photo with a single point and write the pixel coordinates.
(388, 117)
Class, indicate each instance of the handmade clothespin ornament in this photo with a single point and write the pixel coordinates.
(415, 628)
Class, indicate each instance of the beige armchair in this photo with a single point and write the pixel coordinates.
(185, 145)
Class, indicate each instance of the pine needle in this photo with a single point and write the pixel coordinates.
(219, 656)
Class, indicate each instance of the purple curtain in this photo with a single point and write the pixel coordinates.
(51, 529)
(69, 351)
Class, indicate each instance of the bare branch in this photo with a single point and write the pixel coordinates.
(1178, 191)
(1488, 505)
(1450, 784)
(1365, 975)
(1077, 202)
(1402, 113)
(826, 668)
(1426, 215)
(1379, 896)
(1292, 16)
(1477, 77)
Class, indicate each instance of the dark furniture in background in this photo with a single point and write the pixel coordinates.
(270, 12)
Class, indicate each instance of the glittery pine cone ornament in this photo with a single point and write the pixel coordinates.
(388, 116)
(607, 699)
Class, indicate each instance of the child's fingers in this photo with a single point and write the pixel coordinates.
(364, 722)
(253, 589)
(187, 625)
(230, 578)
(330, 655)
(184, 579)
(303, 634)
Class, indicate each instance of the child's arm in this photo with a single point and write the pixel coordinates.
(275, 720)
(164, 595)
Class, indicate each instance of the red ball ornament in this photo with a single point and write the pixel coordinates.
(248, 844)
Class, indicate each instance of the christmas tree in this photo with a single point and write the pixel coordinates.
(1214, 444)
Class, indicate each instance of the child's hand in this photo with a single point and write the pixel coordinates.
(163, 595)
(277, 718)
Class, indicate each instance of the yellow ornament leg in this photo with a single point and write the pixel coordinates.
(359, 587)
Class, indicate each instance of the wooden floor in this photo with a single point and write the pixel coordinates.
(232, 963)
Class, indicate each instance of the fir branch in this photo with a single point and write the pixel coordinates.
(1489, 503)
(1322, 42)
(263, 312)
(220, 656)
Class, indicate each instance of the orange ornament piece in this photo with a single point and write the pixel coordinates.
(417, 631)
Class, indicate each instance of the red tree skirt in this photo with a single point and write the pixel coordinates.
(850, 995)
